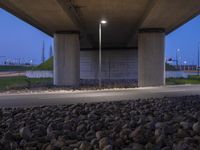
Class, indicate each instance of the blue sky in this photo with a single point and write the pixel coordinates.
(185, 38)
(20, 40)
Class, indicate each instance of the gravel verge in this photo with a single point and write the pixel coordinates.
(150, 124)
(85, 84)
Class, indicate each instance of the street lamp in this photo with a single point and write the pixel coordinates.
(180, 66)
(177, 57)
(185, 63)
(31, 62)
(100, 42)
(2, 57)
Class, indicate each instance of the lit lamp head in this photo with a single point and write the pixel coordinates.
(103, 21)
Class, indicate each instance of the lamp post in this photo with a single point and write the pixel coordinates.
(180, 66)
(100, 46)
(177, 57)
(185, 63)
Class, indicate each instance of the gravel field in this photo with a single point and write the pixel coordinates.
(151, 124)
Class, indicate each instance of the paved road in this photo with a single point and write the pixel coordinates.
(12, 100)
(12, 73)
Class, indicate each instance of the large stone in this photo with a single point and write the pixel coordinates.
(196, 127)
(25, 133)
(85, 146)
(103, 143)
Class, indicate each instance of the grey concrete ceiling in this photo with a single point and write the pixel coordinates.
(125, 17)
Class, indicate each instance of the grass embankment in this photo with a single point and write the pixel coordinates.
(9, 83)
(14, 68)
(179, 81)
(47, 65)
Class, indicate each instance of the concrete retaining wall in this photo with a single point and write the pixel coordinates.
(39, 74)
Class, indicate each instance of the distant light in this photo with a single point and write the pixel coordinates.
(185, 62)
(103, 21)
(178, 50)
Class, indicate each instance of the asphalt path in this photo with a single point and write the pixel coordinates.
(72, 97)
(12, 73)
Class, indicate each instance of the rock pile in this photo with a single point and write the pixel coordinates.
(150, 124)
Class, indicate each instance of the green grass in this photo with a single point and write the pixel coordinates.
(179, 81)
(14, 68)
(47, 65)
(9, 83)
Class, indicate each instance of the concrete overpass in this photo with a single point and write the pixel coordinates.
(132, 24)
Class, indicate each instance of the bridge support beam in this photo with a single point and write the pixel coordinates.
(66, 59)
(151, 57)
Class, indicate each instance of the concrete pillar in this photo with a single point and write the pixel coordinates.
(66, 59)
(151, 57)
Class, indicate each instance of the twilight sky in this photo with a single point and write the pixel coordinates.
(20, 40)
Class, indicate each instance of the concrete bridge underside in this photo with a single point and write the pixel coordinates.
(140, 24)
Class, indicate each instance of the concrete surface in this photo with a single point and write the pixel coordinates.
(66, 59)
(37, 99)
(151, 58)
(125, 17)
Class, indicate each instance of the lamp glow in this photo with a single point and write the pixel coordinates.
(103, 21)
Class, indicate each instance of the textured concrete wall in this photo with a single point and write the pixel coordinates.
(121, 64)
(39, 74)
(66, 59)
(151, 58)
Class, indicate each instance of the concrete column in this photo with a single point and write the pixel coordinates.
(66, 59)
(151, 57)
